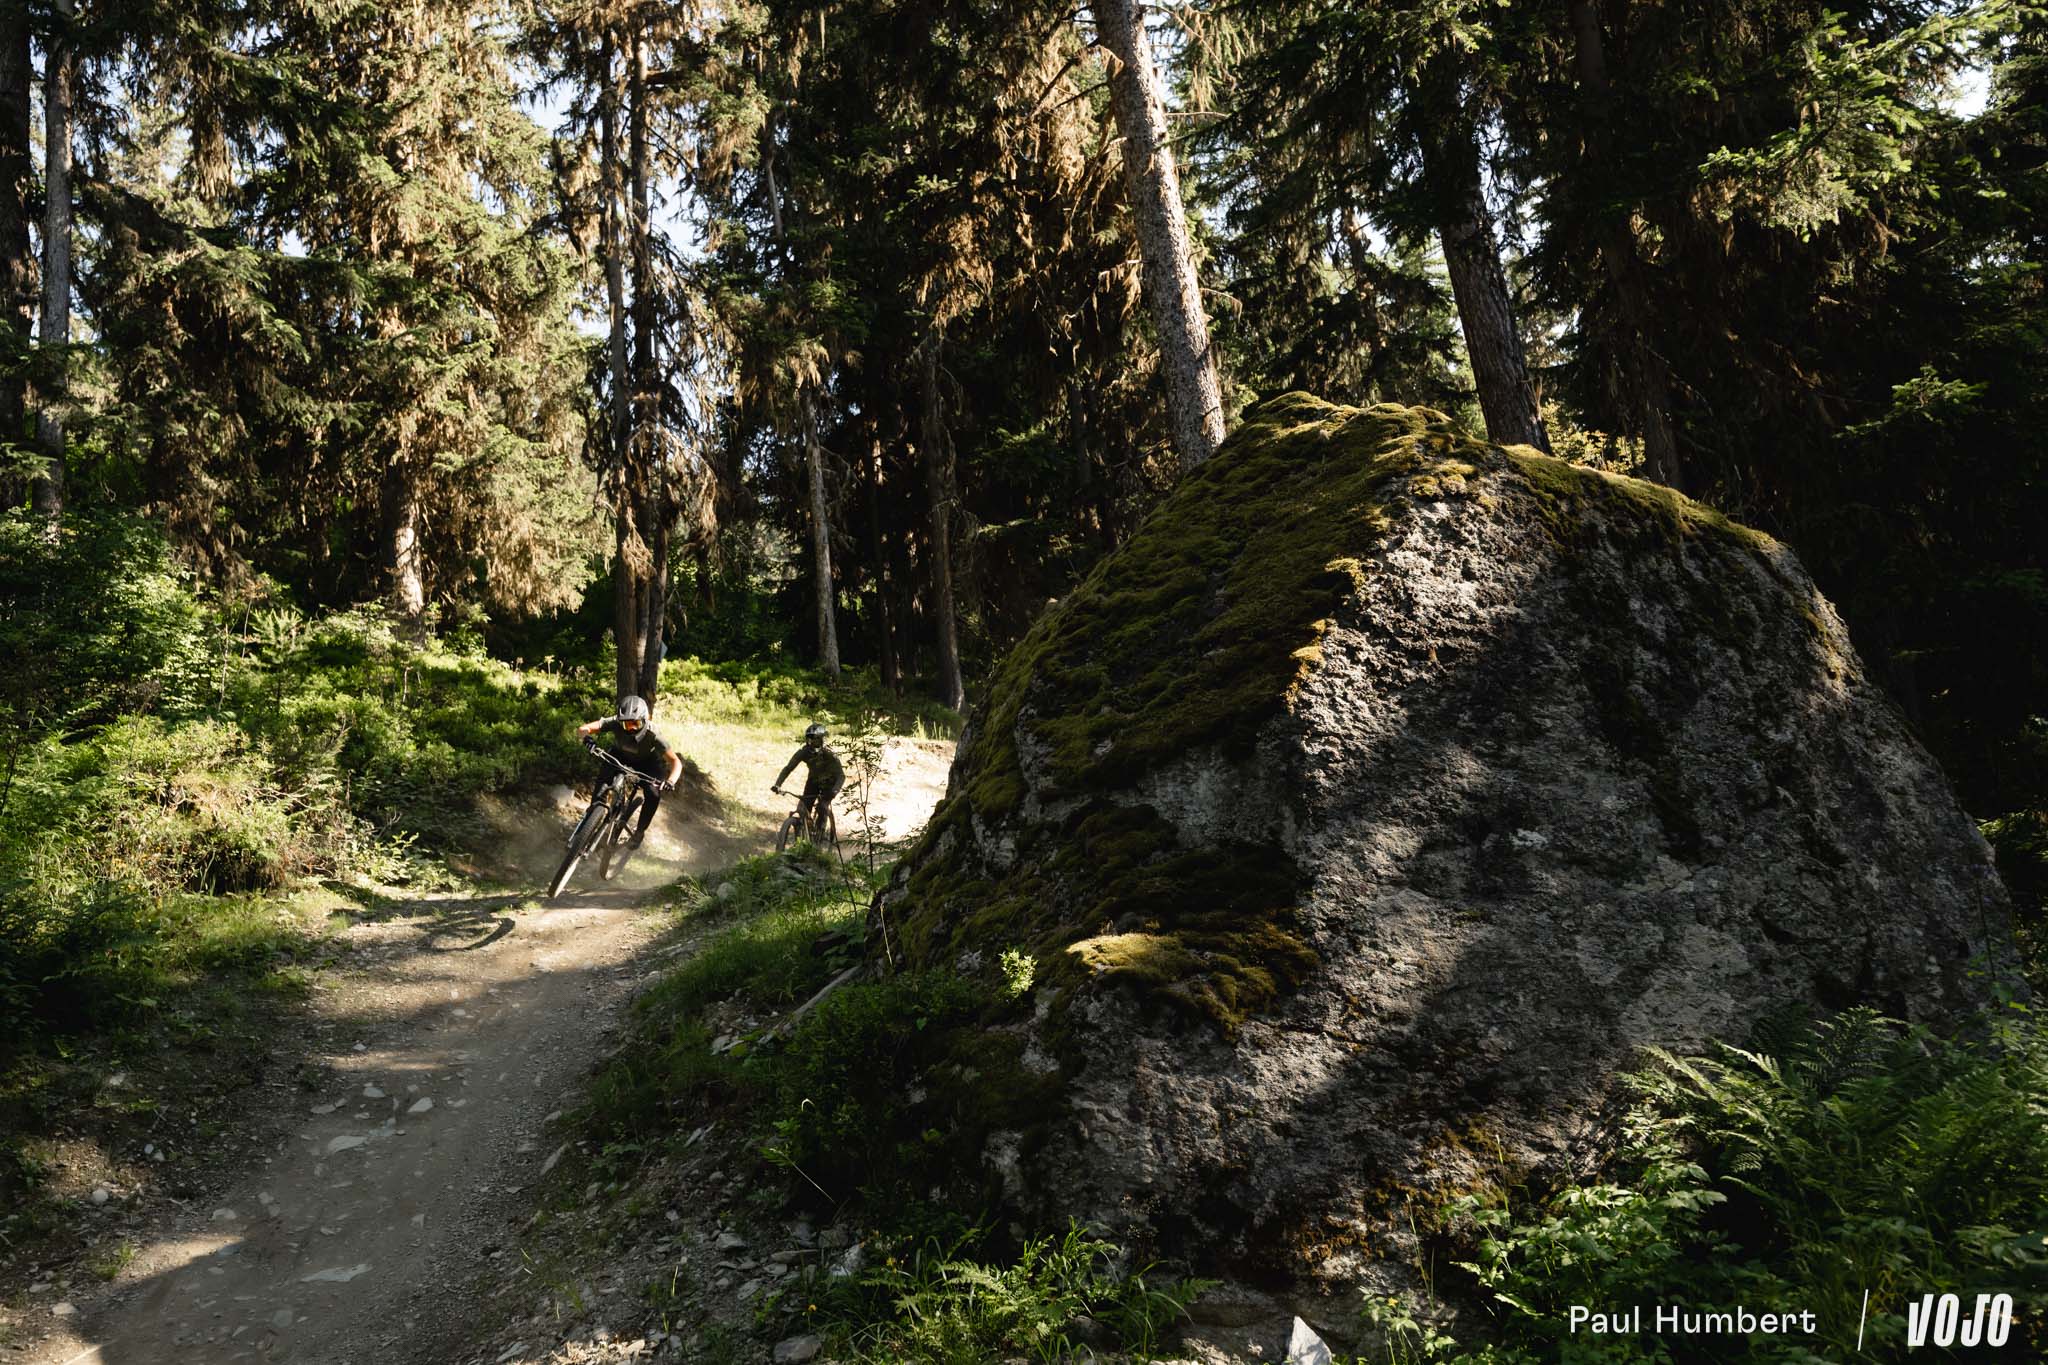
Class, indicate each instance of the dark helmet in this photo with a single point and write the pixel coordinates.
(632, 711)
(814, 735)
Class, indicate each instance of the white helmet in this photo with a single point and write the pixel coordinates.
(633, 708)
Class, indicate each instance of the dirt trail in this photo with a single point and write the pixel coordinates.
(443, 1062)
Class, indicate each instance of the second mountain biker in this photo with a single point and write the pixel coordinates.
(824, 775)
(639, 748)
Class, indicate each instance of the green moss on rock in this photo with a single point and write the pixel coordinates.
(1564, 492)
(1195, 631)
(1192, 636)
(1109, 893)
(1190, 639)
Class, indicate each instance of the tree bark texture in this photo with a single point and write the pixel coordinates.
(1645, 379)
(1500, 368)
(1172, 289)
(821, 540)
(613, 246)
(814, 455)
(938, 475)
(401, 510)
(654, 603)
(625, 532)
(17, 259)
(46, 491)
(645, 452)
(885, 633)
(640, 523)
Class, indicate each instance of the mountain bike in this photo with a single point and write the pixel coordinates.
(813, 820)
(607, 826)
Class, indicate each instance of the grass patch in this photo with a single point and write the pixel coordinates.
(775, 910)
(879, 1089)
(108, 1262)
(933, 1303)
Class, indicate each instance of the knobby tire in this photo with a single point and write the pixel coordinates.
(618, 848)
(579, 844)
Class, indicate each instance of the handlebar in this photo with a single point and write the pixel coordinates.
(612, 760)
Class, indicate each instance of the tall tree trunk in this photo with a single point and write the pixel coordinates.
(627, 549)
(892, 677)
(938, 472)
(646, 455)
(46, 493)
(1194, 392)
(627, 546)
(654, 602)
(1500, 370)
(401, 514)
(612, 244)
(17, 258)
(821, 540)
(1645, 377)
(814, 454)
(707, 591)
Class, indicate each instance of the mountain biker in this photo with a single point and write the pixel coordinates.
(823, 774)
(636, 745)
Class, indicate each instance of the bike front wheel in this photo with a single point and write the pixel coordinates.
(618, 846)
(792, 830)
(581, 840)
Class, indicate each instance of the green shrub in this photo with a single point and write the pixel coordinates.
(411, 734)
(95, 620)
(1868, 1157)
(874, 1093)
(762, 957)
(2020, 840)
(932, 1305)
(842, 1087)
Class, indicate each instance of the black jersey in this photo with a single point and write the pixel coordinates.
(642, 748)
(822, 770)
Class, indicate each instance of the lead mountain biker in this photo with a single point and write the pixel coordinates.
(823, 773)
(635, 744)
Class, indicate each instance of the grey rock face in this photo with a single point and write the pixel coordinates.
(1573, 768)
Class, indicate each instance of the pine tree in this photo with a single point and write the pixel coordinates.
(1349, 110)
(17, 261)
(337, 304)
(1172, 285)
(634, 125)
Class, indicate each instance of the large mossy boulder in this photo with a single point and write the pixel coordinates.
(1370, 811)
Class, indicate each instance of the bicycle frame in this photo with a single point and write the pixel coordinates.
(609, 806)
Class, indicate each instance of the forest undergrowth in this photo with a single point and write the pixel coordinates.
(1796, 1171)
(195, 793)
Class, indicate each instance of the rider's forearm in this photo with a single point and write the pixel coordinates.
(590, 729)
(675, 769)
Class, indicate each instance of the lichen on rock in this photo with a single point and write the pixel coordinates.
(1375, 804)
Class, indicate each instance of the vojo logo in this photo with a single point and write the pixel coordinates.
(1939, 1320)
